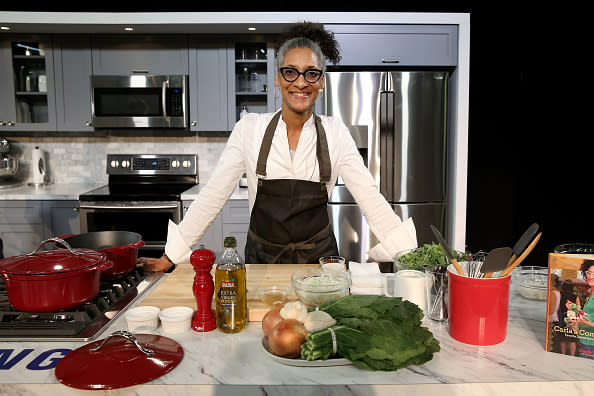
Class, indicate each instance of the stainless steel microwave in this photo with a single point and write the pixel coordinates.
(139, 101)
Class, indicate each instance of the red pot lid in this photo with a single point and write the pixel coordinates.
(52, 262)
(119, 362)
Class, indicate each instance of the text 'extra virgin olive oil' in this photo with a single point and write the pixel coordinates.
(230, 290)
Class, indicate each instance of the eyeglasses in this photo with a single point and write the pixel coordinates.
(589, 273)
(291, 74)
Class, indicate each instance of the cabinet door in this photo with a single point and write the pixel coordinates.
(236, 221)
(21, 226)
(251, 77)
(73, 64)
(28, 98)
(124, 55)
(60, 218)
(208, 87)
(397, 45)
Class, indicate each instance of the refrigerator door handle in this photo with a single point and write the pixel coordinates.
(386, 124)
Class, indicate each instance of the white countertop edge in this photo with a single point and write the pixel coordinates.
(65, 191)
(477, 389)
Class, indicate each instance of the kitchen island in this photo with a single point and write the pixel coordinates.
(220, 364)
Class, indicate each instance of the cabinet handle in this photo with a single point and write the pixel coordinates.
(390, 60)
(139, 71)
(88, 123)
(194, 123)
(11, 123)
(2, 123)
(75, 209)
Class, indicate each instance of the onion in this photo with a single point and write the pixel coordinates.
(271, 318)
(286, 338)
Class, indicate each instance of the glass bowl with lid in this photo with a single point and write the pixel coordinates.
(316, 286)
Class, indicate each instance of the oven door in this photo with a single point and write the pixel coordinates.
(149, 219)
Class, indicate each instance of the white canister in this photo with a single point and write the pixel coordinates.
(38, 166)
(42, 83)
(408, 284)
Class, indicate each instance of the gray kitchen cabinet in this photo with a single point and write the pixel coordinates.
(74, 67)
(21, 226)
(60, 218)
(236, 221)
(27, 100)
(251, 77)
(213, 237)
(24, 225)
(208, 86)
(397, 45)
(125, 55)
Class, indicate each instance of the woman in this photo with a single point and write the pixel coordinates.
(585, 324)
(292, 159)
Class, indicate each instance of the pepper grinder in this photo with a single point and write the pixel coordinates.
(202, 260)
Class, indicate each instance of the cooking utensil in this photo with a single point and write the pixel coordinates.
(118, 361)
(497, 260)
(447, 250)
(53, 280)
(521, 244)
(517, 262)
(119, 246)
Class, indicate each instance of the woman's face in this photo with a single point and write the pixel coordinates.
(300, 95)
(590, 275)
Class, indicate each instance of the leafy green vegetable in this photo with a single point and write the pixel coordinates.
(374, 333)
(428, 256)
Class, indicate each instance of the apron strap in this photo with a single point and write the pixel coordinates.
(265, 146)
(322, 152)
(307, 244)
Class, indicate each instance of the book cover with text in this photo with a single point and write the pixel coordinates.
(570, 310)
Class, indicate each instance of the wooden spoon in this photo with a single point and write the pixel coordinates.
(517, 262)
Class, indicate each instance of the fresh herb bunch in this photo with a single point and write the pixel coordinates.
(429, 256)
(374, 333)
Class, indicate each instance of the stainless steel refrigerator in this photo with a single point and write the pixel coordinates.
(398, 120)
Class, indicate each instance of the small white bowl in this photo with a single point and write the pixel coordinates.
(146, 317)
(176, 319)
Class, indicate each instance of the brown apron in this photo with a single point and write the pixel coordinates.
(289, 221)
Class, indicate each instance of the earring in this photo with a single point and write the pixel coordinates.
(321, 90)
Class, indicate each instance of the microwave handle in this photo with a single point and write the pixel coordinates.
(164, 98)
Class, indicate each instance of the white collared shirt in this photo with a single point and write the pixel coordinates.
(241, 155)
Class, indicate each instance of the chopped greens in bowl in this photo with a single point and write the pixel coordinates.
(425, 257)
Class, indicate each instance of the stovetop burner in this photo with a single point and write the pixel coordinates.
(82, 323)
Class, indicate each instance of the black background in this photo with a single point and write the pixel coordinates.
(529, 130)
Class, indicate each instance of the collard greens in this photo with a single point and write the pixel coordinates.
(374, 333)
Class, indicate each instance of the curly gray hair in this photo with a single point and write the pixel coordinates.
(300, 42)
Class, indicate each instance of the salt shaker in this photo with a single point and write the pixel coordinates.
(202, 260)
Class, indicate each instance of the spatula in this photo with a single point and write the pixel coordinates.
(447, 251)
(521, 244)
(496, 260)
(525, 253)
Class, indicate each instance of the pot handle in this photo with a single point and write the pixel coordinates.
(55, 240)
(127, 335)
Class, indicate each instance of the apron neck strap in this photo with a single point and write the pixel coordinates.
(322, 152)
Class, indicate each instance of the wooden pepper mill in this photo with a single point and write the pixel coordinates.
(202, 260)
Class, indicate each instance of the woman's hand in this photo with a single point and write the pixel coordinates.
(154, 264)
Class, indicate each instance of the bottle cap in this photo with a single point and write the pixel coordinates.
(230, 242)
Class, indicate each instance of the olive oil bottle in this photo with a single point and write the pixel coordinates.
(230, 290)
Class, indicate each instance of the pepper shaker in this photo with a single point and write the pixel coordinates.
(202, 260)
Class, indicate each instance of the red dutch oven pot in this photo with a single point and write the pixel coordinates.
(120, 246)
(53, 280)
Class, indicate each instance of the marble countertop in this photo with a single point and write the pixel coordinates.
(216, 363)
(72, 191)
(66, 191)
(192, 193)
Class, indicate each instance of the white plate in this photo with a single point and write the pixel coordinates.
(301, 362)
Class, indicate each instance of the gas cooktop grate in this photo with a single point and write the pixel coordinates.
(83, 321)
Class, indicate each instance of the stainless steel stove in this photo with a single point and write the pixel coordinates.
(83, 323)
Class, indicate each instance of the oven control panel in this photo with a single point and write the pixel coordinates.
(152, 164)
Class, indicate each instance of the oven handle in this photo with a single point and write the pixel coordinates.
(127, 207)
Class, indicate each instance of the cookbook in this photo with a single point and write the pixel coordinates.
(570, 313)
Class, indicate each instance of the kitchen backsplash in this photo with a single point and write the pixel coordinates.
(83, 160)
